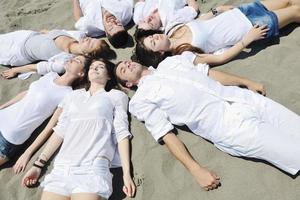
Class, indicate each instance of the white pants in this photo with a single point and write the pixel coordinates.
(89, 178)
(270, 132)
(11, 45)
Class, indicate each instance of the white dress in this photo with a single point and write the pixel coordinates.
(238, 121)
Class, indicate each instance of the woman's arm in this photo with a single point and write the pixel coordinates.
(219, 9)
(12, 72)
(129, 187)
(233, 80)
(33, 174)
(14, 100)
(40, 140)
(77, 13)
(255, 33)
(193, 4)
(205, 178)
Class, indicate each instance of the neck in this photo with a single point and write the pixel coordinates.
(145, 72)
(65, 80)
(74, 48)
(96, 87)
(173, 44)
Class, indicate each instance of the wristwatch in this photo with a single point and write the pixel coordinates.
(214, 11)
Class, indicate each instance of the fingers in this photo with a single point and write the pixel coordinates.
(7, 74)
(129, 190)
(18, 168)
(28, 181)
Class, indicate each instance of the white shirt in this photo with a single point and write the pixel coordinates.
(91, 125)
(171, 12)
(19, 120)
(178, 92)
(92, 23)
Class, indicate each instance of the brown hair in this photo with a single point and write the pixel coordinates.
(81, 82)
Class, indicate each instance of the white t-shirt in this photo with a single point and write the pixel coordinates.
(18, 121)
(91, 22)
(91, 125)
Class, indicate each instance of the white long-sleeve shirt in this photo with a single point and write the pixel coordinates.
(91, 125)
(178, 92)
(92, 23)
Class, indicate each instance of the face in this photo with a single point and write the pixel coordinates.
(89, 45)
(98, 72)
(130, 72)
(111, 24)
(157, 42)
(75, 66)
(151, 22)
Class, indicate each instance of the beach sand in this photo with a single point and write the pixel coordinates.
(158, 175)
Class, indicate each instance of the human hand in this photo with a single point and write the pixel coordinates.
(207, 179)
(129, 186)
(256, 33)
(257, 87)
(9, 73)
(21, 163)
(31, 177)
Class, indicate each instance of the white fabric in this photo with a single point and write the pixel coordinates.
(171, 12)
(94, 178)
(236, 120)
(23, 117)
(54, 64)
(91, 22)
(11, 48)
(224, 30)
(91, 126)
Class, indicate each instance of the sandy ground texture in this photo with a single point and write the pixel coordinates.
(157, 174)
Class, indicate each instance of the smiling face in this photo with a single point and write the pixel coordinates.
(151, 22)
(157, 42)
(111, 24)
(76, 66)
(98, 72)
(129, 72)
(90, 45)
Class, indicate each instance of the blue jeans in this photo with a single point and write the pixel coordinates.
(7, 149)
(258, 14)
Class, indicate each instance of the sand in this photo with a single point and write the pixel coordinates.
(157, 174)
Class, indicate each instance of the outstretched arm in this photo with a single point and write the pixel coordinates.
(40, 140)
(219, 9)
(14, 100)
(129, 187)
(255, 33)
(12, 72)
(193, 4)
(33, 174)
(77, 13)
(205, 178)
(233, 80)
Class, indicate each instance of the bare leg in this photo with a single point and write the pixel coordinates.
(3, 160)
(279, 4)
(86, 196)
(50, 196)
(288, 15)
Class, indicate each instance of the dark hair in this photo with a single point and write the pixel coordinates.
(103, 51)
(112, 83)
(148, 57)
(118, 39)
(82, 82)
(144, 55)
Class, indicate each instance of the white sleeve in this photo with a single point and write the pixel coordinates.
(54, 64)
(138, 12)
(203, 68)
(184, 15)
(120, 123)
(156, 121)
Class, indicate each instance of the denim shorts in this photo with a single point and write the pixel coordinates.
(7, 149)
(258, 14)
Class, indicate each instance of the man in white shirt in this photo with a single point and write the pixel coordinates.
(238, 121)
(99, 17)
